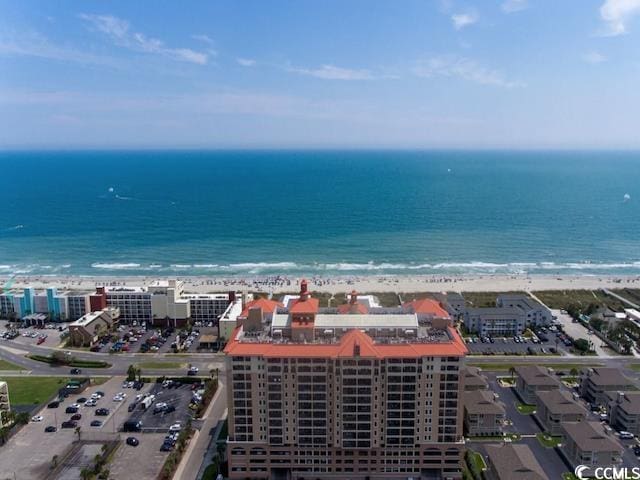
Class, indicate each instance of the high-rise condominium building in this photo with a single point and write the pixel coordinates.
(373, 395)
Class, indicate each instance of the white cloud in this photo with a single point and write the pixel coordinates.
(203, 38)
(462, 20)
(246, 62)
(594, 57)
(461, 67)
(617, 14)
(511, 6)
(34, 44)
(331, 72)
(118, 30)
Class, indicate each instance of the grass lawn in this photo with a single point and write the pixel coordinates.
(561, 299)
(33, 390)
(4, 365)
(477, 461)
(632, 366)
(161, 365)
(569, 476)
(211, 472)
(548, 441)
(525, 409)
(499, 366)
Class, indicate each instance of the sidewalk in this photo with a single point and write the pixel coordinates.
(193, 457)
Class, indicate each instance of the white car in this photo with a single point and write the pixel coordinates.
(75, 405)
(125, 384)
(118, 398)
(624, 435)
(176, 427)
(37, 418)
(90, 403)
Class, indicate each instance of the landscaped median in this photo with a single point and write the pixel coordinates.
(161, 365)
(525, 409)
(68, 360)
(548, 441)
(6, 366)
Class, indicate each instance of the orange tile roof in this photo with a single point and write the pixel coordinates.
(310, 305)
(427, 306)
(353, 308)
(268, 306)
(345, 348)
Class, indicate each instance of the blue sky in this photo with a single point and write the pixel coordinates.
(360, 73)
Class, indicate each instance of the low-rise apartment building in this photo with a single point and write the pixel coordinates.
(512, 462)
(624, 411)
(557, 406)
(85, 331)
(483, 415)
(328, 396)
(532, 379)
(512, 314)
(596, 382)
(587, 443)
(473, 379)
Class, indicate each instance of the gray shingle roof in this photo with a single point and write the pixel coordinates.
(591, 437)
(559, 402)
(536, 375)
(515, 462)
(482, 402)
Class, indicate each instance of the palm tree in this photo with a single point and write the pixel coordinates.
(512, 371)
(54, 462)
(85, 474)
(574, 372)
(79, 432)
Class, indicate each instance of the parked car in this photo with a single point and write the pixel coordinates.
(75, 371)
(77, 416)
(37, 418)
(69, 424)
(624, 435)
(102, 412)
(133, 441)
(71, 409)
(96, 423)
(54, 404)
(50, 429)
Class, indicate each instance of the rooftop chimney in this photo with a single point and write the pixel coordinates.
(354, 297)
(304, 294)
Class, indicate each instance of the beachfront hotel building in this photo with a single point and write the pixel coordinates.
(57, 306)
(313, 393)
(163, 303)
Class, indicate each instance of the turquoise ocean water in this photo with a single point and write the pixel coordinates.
(319, 212)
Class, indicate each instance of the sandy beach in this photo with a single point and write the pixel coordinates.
(363, 284)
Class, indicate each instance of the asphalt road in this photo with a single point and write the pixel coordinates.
(15, 353)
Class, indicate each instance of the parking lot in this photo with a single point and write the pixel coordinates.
(46, 337)
(20, 460)
(547, 344)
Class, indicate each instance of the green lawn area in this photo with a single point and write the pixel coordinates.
(502, 366)
(632, 366)
(569, 476)
(161, 365)
(478, 462)
(525, 409)
(33, 390)
(548, 441)
(211, 472)
(561, 299)
(4, 365)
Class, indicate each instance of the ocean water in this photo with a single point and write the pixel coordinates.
(319, 212)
